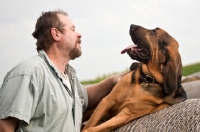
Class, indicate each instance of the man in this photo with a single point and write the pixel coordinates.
(42, 93)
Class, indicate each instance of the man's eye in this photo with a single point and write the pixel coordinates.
(73, 29)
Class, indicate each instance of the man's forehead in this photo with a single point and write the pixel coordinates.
(65, 20)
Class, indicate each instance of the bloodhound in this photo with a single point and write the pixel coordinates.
(154, 82)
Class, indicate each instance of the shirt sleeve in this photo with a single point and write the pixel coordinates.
(16, 98)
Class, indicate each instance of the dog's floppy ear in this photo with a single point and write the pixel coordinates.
(171, 79)
(171, 70)
(134, 65)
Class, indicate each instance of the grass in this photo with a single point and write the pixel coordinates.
(97, 79)
(186, 70)
(189, 69)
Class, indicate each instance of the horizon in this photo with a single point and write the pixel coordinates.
(104, 26)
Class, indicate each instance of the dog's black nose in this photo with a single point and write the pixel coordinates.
(132, 26)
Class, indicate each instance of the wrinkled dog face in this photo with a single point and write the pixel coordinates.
(158, 50)
(149, 43)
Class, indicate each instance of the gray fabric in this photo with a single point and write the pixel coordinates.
(192, 89)
(181, 117)
(35, 93)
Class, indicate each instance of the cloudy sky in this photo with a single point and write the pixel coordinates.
(104, 25)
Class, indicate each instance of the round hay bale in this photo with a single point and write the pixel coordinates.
(192, 89)
(181, 117)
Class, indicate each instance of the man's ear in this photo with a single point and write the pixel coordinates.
(55, 33)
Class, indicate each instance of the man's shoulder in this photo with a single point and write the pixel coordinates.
(31, 62)
(26, 67)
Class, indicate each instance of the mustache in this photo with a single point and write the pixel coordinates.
(78, 41)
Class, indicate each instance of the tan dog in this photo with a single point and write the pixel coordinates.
(154, 84)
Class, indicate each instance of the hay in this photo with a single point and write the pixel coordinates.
(192, 89)
(181, 117)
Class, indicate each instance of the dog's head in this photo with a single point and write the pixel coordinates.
(158, 52)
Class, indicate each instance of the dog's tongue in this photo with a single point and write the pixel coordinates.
(127, 48)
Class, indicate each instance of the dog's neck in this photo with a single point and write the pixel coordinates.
(147, 79)
(152, 73)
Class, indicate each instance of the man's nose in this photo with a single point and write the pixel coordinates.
(79, 35)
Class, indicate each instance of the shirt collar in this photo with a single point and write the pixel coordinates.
(69, 69)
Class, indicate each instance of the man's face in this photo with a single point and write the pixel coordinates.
(71, 39)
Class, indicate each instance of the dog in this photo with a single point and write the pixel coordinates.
(154, 82)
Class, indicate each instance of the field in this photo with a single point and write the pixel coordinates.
(189, 69)
(186, 70)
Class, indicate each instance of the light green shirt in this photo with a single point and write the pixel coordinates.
(35, 93)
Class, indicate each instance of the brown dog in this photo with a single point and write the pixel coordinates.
(154, 84)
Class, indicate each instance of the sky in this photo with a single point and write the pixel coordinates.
(104, 26)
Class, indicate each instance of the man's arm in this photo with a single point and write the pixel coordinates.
(9, 124)
(98, 91)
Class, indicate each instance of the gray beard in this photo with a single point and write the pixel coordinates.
(75, 53)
